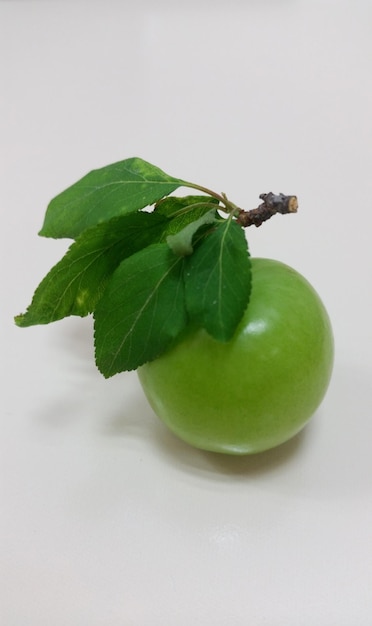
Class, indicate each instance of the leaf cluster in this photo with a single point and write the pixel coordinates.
(145, 263)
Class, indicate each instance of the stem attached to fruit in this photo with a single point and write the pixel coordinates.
(272, 204)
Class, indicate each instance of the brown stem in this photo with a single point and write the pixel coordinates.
(272, 204)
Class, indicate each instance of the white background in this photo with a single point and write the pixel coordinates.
(106, 518)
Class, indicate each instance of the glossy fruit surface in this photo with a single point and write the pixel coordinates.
(260, 388)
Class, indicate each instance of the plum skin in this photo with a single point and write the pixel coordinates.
(260, 388)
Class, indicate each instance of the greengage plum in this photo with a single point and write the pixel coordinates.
(259, 389)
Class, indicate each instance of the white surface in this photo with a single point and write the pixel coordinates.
(107, 519)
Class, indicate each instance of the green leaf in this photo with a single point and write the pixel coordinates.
(181, 243)
(175, 206)
(183, 211)
(76, 283)
(218, 280)
(114, 190)
(142, 310)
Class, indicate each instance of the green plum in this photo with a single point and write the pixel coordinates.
(259, 389)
